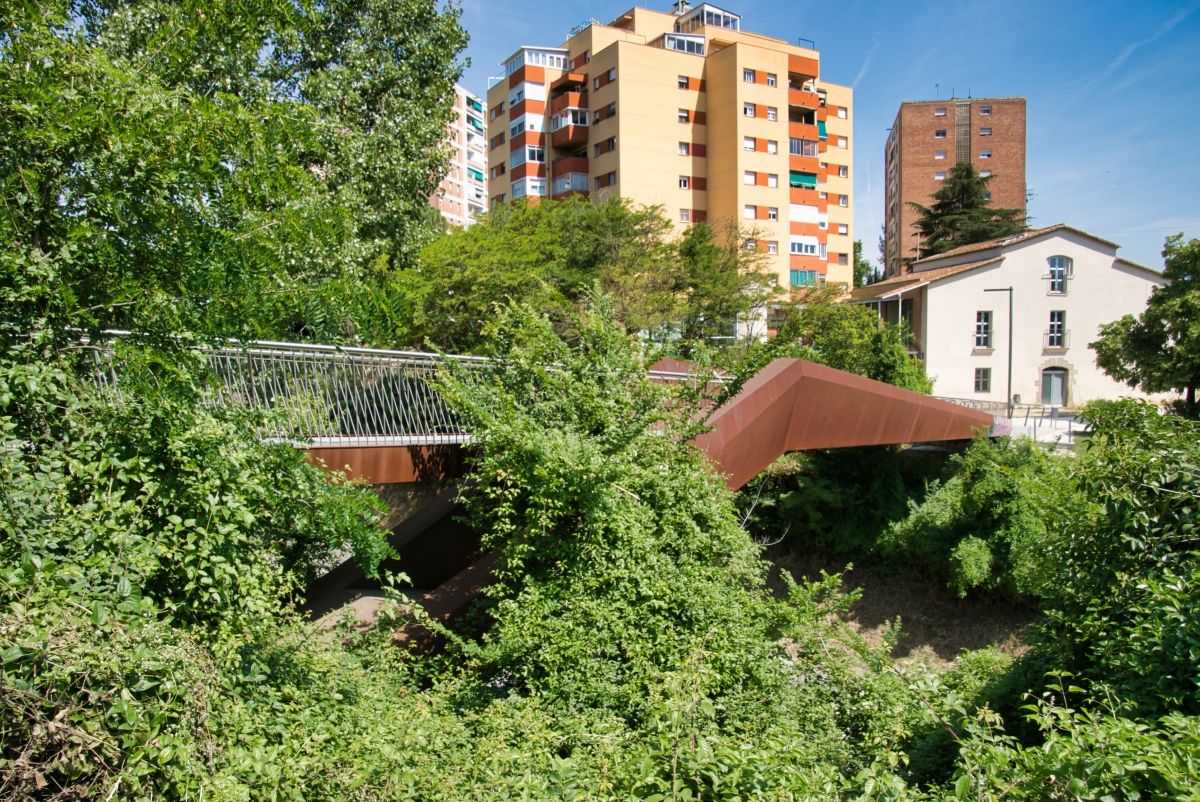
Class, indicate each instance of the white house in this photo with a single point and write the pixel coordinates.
(1061, 284)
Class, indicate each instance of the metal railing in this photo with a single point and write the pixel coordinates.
(328, 396)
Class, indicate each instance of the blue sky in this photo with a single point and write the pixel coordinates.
(1113, 91)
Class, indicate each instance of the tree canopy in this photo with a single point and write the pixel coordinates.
(961, 213)
(220, 168)
(552, 255)
(1159, 350)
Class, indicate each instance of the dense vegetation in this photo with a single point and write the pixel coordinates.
(232, 169)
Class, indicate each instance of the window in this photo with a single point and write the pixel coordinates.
(748, 109)
(939, 134)
(843, 228)
(772, 247)
(772, 80)
(843, 258)
(939, 112)
(596, 82)
(841, 112)
(772, 213)
(684, 149)
(748, 76)
(983, 329)
(750, 245)
(747, 143)
(803, 147)
(749, 178)
(772, 146)
(985, 111)
(1056, 335)
(983, 380)
(772, 180)
(985, 131)
(535, 154)
(843, 200)
(1060, 270)
(749, 212)
(843, 171)
(939, 176)
(841, 142)
(803, 247)
(987, 196)
(772, 113)
(985, 173)
(804, 278)
(939, 154)
(683, 115)
(685, 215)
(985, 154)
(517, 127)
(683, 82)
(685, 182)
(612, 74)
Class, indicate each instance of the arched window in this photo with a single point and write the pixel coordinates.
(1061, 269)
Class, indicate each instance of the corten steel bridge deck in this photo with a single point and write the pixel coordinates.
(376, 413)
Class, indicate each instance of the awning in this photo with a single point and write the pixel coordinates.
(803, 180)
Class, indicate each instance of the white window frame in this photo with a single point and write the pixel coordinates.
(749, 110)
(749, 178)
(750, 212)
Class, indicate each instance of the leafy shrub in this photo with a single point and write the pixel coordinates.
(970, 565)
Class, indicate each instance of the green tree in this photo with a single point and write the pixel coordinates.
(864, 271)
(224, 169)
(717, 284)
(961, 214)
(552, 255)
(1159, 350)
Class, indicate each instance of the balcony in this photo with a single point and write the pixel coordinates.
(570, 184)
(1056, 340)
(569, 164)
(568, 81)
(578, 100)
(569, 136)
(804, 99)
(808, 197)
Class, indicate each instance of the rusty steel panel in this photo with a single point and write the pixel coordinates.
(797, 405)
(382, 465)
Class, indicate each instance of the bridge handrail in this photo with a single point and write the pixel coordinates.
(332, 395)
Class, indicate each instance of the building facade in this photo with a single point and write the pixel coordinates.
(1062, 285)
(462, 195)
(927, 138)
(687, 111)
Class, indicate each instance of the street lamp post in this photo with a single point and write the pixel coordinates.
(1009, 290)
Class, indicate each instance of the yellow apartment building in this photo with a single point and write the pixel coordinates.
(685, 110)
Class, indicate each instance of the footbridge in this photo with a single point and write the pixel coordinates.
(377, 415)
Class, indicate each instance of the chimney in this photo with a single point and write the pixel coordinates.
(680, 7)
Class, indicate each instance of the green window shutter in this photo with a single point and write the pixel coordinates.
(821, 129)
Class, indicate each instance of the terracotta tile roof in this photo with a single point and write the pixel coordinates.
(907, 281)
(1012, 239)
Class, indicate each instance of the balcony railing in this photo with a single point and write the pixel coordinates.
(1056, 340)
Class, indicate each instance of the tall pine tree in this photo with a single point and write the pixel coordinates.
(961, 214)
